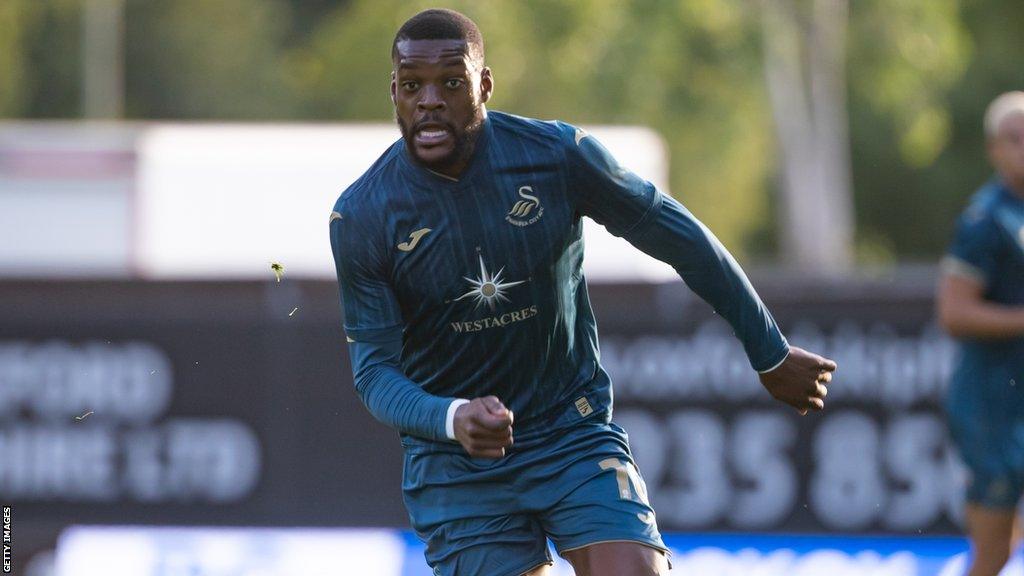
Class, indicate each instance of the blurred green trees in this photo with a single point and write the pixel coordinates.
(919, 73)
(207, 59)
(906, 196)
(14, 22)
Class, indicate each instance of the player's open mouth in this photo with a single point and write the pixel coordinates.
(432, 135)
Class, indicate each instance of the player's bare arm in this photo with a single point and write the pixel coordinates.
(964, 313)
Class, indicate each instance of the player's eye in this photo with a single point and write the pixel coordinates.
(454, 83)
(410, 85)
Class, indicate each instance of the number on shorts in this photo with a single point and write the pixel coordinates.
(626, 475)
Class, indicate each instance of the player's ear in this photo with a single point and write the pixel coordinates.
(394, 89)
(486, 84)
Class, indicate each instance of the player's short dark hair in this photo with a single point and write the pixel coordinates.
(441, 24)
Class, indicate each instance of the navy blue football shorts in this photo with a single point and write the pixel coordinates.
(493, 517)
(985, 412)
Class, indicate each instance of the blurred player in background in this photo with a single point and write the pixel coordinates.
(459, 258)
(981, 302)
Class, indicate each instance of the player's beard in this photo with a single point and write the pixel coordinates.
(462, 149)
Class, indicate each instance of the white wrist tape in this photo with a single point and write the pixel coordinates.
(449, 420)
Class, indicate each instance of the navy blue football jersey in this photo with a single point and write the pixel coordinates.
(989, 247)
(481, 277)
(989, 243)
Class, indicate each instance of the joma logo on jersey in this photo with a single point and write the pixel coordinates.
(414, 239)
(526, 211)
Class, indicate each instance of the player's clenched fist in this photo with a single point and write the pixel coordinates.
(800, 380)
(484, 427)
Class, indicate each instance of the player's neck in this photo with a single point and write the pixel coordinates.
(457, 169)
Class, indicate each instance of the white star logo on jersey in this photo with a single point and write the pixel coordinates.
(488, 289)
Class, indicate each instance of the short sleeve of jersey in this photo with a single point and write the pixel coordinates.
(372, 313)
(974, 251)
(600, 188)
